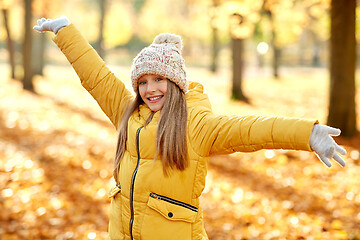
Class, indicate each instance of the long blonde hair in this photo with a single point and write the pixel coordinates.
(171, 132)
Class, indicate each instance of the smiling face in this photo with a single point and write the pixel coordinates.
(152, 89)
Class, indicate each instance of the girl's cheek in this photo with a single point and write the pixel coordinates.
(142, 91)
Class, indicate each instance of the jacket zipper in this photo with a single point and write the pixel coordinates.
(133, 183)
(173, 201)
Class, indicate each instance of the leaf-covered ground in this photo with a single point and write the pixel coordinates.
(56, 150)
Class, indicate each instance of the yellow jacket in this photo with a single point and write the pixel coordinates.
(145, 204)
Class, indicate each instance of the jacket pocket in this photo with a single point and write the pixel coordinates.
(115, 222)
(114, 190)
(167, 218)
(172, 209)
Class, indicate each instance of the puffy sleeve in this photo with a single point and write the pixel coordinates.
(210, 134)
(110, 93)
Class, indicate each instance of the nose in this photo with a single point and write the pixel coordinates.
(151, 86)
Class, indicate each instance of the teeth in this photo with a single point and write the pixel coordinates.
(154, 98)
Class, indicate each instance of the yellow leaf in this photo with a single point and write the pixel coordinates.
(336, 224)
(341, 235)
(282, 159)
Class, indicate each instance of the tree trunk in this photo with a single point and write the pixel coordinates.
(39, 43)
(28, 74)
(342, 67)
(39, 54)
(10, 44)
(276, 61)
(316, 52)
(99, 45)
(237, 69)
(215, 50)
(215, 38)
(276, 49)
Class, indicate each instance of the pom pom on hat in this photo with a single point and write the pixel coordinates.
(169, 38)
(162, 57)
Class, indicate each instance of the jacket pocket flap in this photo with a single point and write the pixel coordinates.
(113, 191)
(171, 211)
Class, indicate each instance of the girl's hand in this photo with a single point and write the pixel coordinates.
(324, 145)
(51, 25)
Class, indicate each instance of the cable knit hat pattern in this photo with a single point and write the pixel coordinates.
(162, 57)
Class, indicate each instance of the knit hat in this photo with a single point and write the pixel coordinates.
(162, 57)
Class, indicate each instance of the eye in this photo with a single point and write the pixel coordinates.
(142, 82)
(158, 79)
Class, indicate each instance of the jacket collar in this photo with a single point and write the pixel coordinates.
(144, 113)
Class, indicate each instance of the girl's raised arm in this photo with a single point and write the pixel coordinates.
(95, 77)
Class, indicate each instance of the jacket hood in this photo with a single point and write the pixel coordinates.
(196, 96)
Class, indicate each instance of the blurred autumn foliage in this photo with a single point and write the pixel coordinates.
(56, 146)
(56, 150)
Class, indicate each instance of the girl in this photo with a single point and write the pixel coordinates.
(167, 133)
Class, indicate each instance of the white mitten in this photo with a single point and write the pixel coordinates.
(51, 25)
(324, 145)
